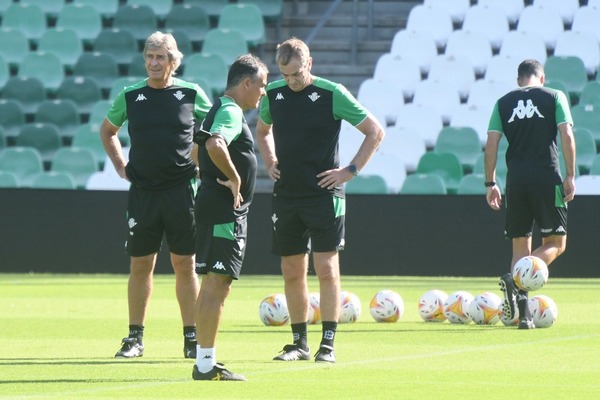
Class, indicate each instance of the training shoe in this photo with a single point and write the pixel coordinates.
(189, 349)
(130, 347)
(218, 373)
(507, 285)
(291, 352)
(526, 324)
(325, 354)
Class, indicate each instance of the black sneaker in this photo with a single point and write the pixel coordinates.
(218, 373)
(507, 285)
(189, 349)
(130, 348)
(291, 352)
(526, 324)
(325, 354)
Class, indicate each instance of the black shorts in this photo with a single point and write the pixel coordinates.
(308, 223)
(152, 214)
(542, 204)
(221, 247)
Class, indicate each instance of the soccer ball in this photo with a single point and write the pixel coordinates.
(273, 310)
(456, 307)
(505, 320)
(314, 309)
(387, 306)
(431, 306)
(485, 309)
(349, 307)
(530, 273)
(543, 311)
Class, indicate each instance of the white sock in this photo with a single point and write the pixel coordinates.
(205, 359)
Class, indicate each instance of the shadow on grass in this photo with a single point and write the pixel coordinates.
(87, 361)
(83, 380)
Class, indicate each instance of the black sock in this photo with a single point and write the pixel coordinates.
(136, 331)
(523, 305)
(189, 332)
(329, 329)
(300, 335)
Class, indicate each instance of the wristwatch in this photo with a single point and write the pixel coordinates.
(352, 169)
(490, 184)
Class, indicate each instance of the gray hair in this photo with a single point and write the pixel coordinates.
(160, 40)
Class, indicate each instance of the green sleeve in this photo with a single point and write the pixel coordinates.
(346, 107)
(117, 113)
(202, 104)
(495, 121)
(228, 122)
(563, 112)
(265, 112)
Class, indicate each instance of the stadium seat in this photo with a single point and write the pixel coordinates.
(484, 93)
(184, 44)
(581, 44)
(422, 118)
(53, 180)
(29, 92)
(3, 140)
(402, 70)
(419, 183)
(24, 162)
(8, 179)
(404, 142)
(566, 8)
(366, 184)
(210, 67)
(45, 137)
(472, 116)
(442, 96)
(390, 167)
(246, 19)
(120, 83)
(226, 43)
(456, 8)
(588, 185)
(50, 8)
(446, 165)
(120, 44)
(570, 71)
(501, 168)
(191, 19)
(64, 43)
(106, 8)
(161, 8)
(417, 45)
(4, 71)
(472, 184)
(87, 136)
(212, 7)
(586, 20)
(490, 20)
(435, 20)
(521, 46)
(590, 93)
(511, 8)
(455, 70)
(587, 116)
(461, 141)
(137, 67)
(12, 117)
(100, 67)
(529, 22)
(382, 96)
(104, 181)
(504, 69)
(14, 46)
(557, 85)
(46, 67)
(585, 147)
(81, 163)
(61, 112)
(271, 10)
(98, 112)
(140, 20)
(84, 91)
(471, 45)
(4, 4)
(84, 19)
(27, 18)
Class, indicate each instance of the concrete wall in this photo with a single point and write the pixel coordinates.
(84, 231)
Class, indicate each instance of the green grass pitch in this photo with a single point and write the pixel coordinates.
(58, 335)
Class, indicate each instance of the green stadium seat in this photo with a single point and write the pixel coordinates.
(3, 140)
(161, 8)
(366, 184)
(4, 4)
(98, 112)
(84, 91)
(137, 67)
(44, 137)
(106, 8)
(472, 184)
(591, 94)
(81, 163)
(208, 67)
(8, 180)
(184, 44)
(46, 67)
(50, 8)
(100, 67)
(558, 85)
(87, 136)
(211, 7)
(270, 9)
(246, 19)
(120, 44)
(4, 71)
(501, 168)
(14, 46)
(595, 167)
(226, 43)
(463, 142)
(12, 117)
(85, 20)
(29, 92)
(446, 165)
(27, 18)
(569, 70)
(419, 183)
(585, 147)
(24, 162)
(53, 180)
(140, 20)
(191, 19)
(587, 116)
(64, 43)
(61, 112)
(120, 83)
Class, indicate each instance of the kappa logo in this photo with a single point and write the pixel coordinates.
(523, 110)
(314, 96)
(141, 97)
(179, 95)
(219, 265)
(279, 96)
(561, 229)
